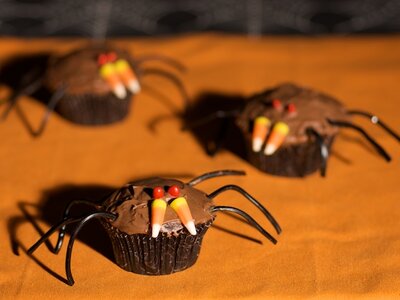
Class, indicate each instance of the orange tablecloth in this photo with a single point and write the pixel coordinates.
(341, 233)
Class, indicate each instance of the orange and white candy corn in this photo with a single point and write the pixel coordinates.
(109, 74)
(127, 75)
(181, 207)
(158, 207)
(260, 131)
(276, 138)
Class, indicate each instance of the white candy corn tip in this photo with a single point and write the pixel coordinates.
(191, 228)
(155, 230)
(120, 91)
(269, 149)
(257, 144)
(134, 86)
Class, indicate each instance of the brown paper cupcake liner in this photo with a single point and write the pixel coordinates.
(166, 254)
(93, 109)
(291, 161)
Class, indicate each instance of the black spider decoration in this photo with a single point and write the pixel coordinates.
(92, 85)
(131, 215)
(287, 130)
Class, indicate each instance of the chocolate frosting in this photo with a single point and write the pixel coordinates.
(79, 71)
(312, 110)
(132, 205)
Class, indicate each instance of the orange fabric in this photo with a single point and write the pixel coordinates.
(340, 233)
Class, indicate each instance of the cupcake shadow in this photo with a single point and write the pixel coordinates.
(49, 210)
(213, 134)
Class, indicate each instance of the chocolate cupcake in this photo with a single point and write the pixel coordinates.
(87, 98)
(289, 130)
(157, 225)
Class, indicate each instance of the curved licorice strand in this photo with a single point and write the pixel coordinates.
(57, 96)
(220, 114)
(165, 59)
(27, 90)
(375, 144)
(51, 231)
(178, 83)
(62, 231)
(323, 149)
(375, 120)
(248, 218)
(82, 223)
(214, 174)
(251, 199)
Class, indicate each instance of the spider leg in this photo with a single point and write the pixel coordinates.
(173, 78)
(214, 174)
(248, 218)
(251, 199)
(375, 120)
(53, 229)
(27, 90)
(216, 145)
(95, 215)
(57, 96)
(165, 59)
(323, 148)
(61, 233)
(377, 147)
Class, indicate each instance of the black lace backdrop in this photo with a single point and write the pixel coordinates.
(112, 18)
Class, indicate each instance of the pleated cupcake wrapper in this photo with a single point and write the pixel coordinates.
(291, 161)
(166, 254)
(93, 109)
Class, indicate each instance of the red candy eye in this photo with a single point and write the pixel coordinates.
(277, 104)
(102, 59)
(174, 191)
(158, 192)
(112, 56)
(291, 108)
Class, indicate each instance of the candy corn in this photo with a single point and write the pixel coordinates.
(109, 74)
(260, 131)
(180, 206)
(275, 140)
(158, 207)
(127, 75)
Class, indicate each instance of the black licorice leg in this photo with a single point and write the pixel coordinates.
(173, 78)
(51, 231)
(378, 147)
(28, 90)
(220, 114)
(248, 218)
(375, 120)
(219, 139)
(95, 215)
(251, 199)
(61, 233)
(214, 174)
(165, 59)
(57, 96)
(323, 148)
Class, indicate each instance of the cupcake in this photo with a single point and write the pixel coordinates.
(137, 248)
(91, 93)
(157, 225)
(289, 130)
